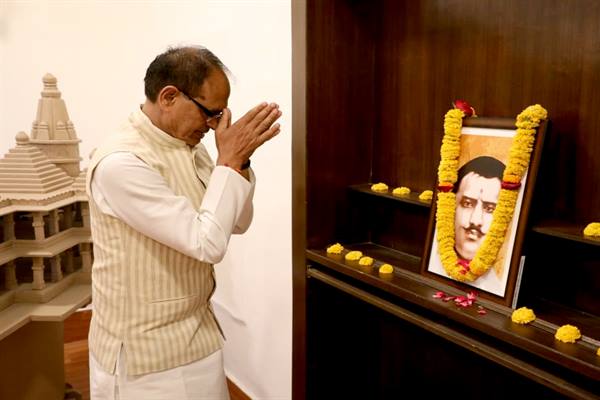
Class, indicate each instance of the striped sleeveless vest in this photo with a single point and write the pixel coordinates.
(147, 297)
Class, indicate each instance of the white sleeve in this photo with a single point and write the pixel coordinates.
(125, 187)
(243, 222)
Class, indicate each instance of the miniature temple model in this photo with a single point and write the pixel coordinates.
(45, 241)
(45, 250)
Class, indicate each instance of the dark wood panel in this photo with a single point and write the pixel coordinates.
(565, 271)
(501, 56)
(299, 198)
(340, 109)
(377, 90)
(362, 351)
(400, 224)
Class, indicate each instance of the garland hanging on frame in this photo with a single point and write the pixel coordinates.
(518, 163)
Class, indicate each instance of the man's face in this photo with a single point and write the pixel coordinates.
(476, 200)
(187, 121)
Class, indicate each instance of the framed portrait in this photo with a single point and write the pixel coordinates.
(484, 151)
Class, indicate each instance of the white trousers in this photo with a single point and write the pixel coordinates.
(201, 380)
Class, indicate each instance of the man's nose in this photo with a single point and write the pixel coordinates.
(477, 214)
(212, 123)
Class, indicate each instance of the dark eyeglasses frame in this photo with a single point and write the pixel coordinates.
(210, 115)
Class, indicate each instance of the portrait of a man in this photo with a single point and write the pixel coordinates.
(482, 160)
(477, 190)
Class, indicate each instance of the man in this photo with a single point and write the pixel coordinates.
(162, 214)
(479, 184)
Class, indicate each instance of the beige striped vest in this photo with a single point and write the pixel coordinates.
(147, 297)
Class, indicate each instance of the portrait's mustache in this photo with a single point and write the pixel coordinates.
(474, 229)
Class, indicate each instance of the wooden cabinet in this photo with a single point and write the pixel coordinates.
(371, 83)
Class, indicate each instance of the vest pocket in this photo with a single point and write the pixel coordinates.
(172, 310)
(172, 299)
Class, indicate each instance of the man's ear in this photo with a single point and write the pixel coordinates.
(167, 96)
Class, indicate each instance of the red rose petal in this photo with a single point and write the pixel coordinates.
(464, 107)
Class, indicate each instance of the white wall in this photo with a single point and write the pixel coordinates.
(99, 51)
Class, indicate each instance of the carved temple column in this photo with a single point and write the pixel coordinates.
(55, 269)
(85, 214)
(38, 273)
(85, 250)
(10, 276)
(69, 261)
(68, 216)
(38, 226)
(8, 223)
(53, 222)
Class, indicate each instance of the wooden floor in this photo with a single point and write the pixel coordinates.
(77, 371)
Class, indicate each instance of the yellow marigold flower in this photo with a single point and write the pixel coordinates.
(379, 187)
(365, 261)
(593, 229)
(386, 269)
(598, 351)
(401, 191)
(353, 255)
(335, 249)
(426, 195)
(568, 333)
(523, 315)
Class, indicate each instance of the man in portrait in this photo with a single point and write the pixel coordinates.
(477, 191)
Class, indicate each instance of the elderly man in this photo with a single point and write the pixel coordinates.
(162, 214)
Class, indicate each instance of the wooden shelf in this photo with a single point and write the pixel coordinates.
(411, 198)
(565, 231)
(536, 338)
(384, 254)
(558, 314)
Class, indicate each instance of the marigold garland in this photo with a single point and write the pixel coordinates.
(518, 162)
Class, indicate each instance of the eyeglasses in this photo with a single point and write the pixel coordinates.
(210, 115)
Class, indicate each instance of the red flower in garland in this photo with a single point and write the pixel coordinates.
(465, 108)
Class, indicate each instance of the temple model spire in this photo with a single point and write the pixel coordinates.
(53, 132)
